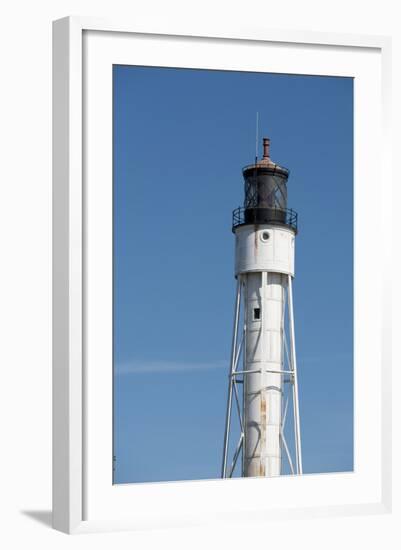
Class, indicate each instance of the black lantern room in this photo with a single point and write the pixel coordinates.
(265, 194)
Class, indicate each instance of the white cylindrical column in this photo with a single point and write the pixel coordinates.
(264, 259)
(264, 299)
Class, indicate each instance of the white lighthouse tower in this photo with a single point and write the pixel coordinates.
(263, 382)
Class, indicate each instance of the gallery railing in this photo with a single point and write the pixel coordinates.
(261, 215)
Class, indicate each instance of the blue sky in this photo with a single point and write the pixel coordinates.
(180, 140)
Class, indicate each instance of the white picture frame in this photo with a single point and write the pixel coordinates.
(83, 498)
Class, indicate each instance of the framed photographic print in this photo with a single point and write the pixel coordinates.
(218, 309)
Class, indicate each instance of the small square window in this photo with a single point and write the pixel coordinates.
(256, 313)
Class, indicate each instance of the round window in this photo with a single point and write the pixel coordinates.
(265, 236)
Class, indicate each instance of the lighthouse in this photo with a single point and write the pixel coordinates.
(262, 378)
